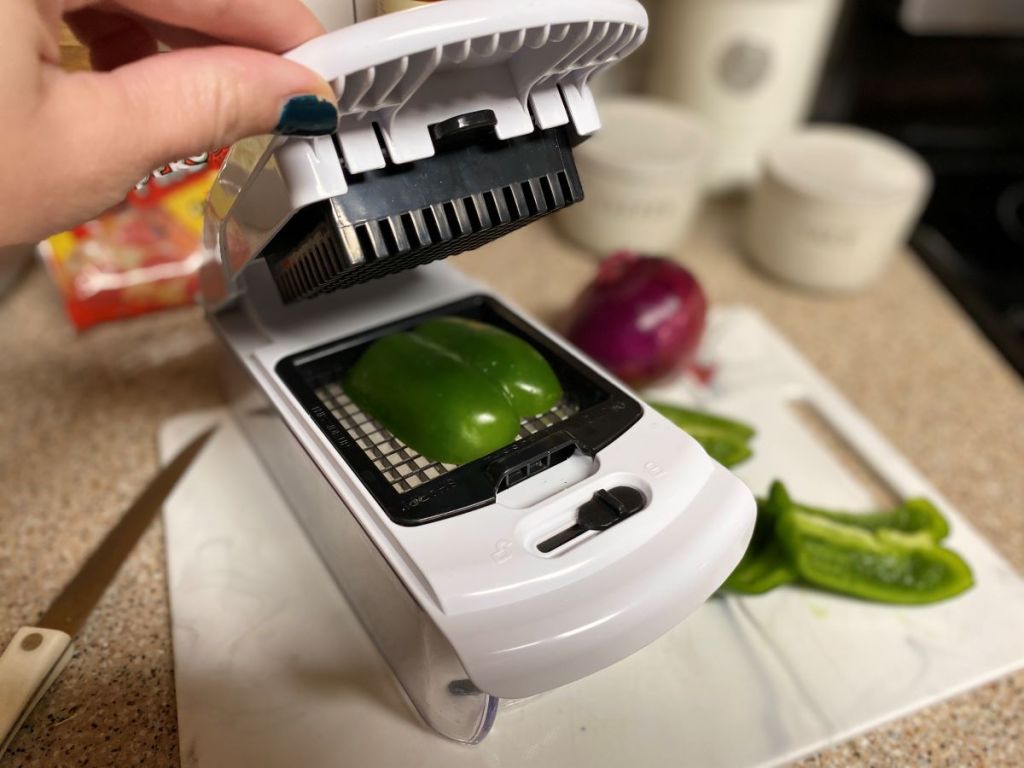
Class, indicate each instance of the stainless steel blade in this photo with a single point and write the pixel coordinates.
(73, 605)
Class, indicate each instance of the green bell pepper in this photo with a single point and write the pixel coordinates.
(882, 565)
(520, 370)
(433, 401)
(761, 570)
(912, 516)
(725, 440)
(887, 556)
(765, 564)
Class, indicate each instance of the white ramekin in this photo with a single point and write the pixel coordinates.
(642, 178)
(833, 206)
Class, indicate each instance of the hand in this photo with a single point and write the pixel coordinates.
(75, 143)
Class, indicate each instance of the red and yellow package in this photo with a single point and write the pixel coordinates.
(143, 255)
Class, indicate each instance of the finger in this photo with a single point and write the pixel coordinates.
(176, 37)
(271, 25)
(103, 29)
(184, 102)
(24, 38)
(113, 39)
(49, 12)
(166, 107)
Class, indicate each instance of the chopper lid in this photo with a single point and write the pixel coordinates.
(481, 71)
(527, 61)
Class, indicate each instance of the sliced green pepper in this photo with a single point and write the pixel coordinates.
(761, 571)
(886, 566)
(701, 421)
(867, 551)
(431, 400)
(765, 564)
(912, 516)
(726, 451)
(519, 369)
(725, 440)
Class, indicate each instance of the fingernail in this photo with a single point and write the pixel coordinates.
(307, 115)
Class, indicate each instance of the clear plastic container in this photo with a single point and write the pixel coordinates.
(422, 659)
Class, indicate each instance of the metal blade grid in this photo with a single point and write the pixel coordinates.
(403, 467)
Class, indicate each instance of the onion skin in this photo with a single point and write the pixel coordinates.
(641, 317)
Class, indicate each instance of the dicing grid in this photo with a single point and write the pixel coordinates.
(403, 467)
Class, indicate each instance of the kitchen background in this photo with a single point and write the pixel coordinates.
(941, 78)
(725, 88)
(707, 158)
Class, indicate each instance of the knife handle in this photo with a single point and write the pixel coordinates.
(28, 668)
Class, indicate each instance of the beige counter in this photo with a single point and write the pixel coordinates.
(79, 414)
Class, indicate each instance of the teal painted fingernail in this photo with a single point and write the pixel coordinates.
(307, 115)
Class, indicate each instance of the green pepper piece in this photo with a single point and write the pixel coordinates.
(765, 565)
(725, 451)
(725, 440)
(521, 371)
(431, 400)
(701, 421)
(761, 571)
(912, 516)
(885, 566)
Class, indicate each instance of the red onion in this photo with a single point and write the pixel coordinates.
(641, 317)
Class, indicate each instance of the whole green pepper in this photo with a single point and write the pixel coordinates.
(725, 440)
(884, 565)
(520, 370)
(431, 400)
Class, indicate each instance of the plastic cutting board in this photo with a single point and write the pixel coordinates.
(273, 669)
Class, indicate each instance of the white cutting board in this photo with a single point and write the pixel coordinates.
(272, 668)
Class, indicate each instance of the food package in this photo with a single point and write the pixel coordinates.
(141, 256)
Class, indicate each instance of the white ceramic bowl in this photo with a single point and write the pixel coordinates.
(642, 177)
(833, 206)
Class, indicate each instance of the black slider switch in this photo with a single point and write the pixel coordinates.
(605, 509)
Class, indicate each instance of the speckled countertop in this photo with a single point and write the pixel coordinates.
(79, 414)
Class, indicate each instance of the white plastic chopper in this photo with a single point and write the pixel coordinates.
(603, 525)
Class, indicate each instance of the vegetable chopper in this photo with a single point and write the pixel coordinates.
(602, 525)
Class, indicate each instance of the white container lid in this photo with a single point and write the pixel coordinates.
(845, 164)
(646, 139)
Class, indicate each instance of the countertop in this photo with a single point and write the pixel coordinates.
(79, 415)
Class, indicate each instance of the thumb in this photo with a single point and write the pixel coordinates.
(180, 104)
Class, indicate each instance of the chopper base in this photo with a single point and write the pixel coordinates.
(273, 669)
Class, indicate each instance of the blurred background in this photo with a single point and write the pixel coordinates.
(940, 77)
(850, 170)
(842, 129)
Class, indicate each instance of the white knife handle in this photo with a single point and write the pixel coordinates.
(28, 668)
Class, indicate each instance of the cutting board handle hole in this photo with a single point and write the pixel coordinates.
(846, 452)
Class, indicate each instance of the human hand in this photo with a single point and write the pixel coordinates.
(75, 143)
